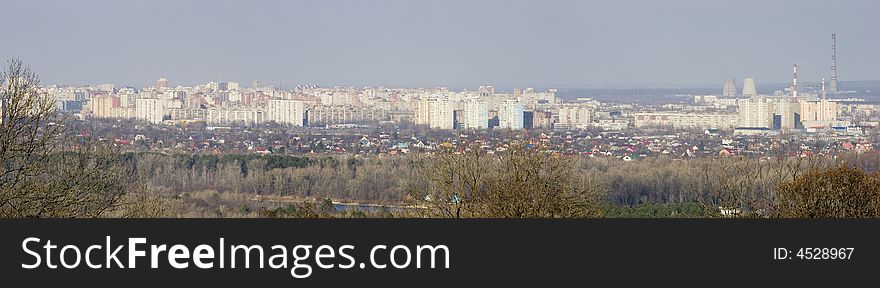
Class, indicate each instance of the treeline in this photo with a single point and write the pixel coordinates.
(385, 179)
(536, 184)
(376, 180)
(656, 210)
(212, 162)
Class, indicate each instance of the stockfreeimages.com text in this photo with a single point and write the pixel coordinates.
(53, 256)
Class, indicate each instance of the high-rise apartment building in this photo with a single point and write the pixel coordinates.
(436, 111)
(510, 114)
(820, 111)
(423, 116)
(777, 113)
(149, 109)
(441, 112)
(573, 116)
(476, 113)
(101, 106)
(289, 112)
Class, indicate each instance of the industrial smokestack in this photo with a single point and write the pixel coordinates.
(833, 84)
(749, 89)
(823, 88)
(794, 83)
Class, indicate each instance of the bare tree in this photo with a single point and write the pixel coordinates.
(45, 171)
(743, 187)
(448, 183)
(521, 182)
(29, 128)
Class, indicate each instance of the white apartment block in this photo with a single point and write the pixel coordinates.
(441, 113)
(321, 115)
(436, 111)
(102, 106)
(285, 112)
(422, 112)
(510, 114)
(225, 116)
(149, 109)
(476, 113)
(577, 116)
(758, 112)
(687, 120)
(532, 98)
(817, 113)
(755, 113)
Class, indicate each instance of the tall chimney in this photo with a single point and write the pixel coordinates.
(794, 83)
(833, 84)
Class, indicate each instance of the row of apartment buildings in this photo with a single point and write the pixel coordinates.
(768, 112)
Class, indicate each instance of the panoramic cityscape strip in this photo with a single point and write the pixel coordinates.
(817, 110)
(439, 143)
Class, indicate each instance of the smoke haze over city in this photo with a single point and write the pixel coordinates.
(460, 44)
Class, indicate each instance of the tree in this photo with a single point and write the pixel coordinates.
(306, 209)
(28, 127)
(533, 183)
(838, 192)
(448, 183)
(47, 172)
(521, 182)
(327, 207)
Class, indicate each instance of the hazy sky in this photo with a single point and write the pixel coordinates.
(565, 44)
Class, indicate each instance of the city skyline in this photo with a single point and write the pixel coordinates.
(164, 120)
(562, 44)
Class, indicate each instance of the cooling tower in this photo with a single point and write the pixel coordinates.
(729, 88)
(749, 89)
